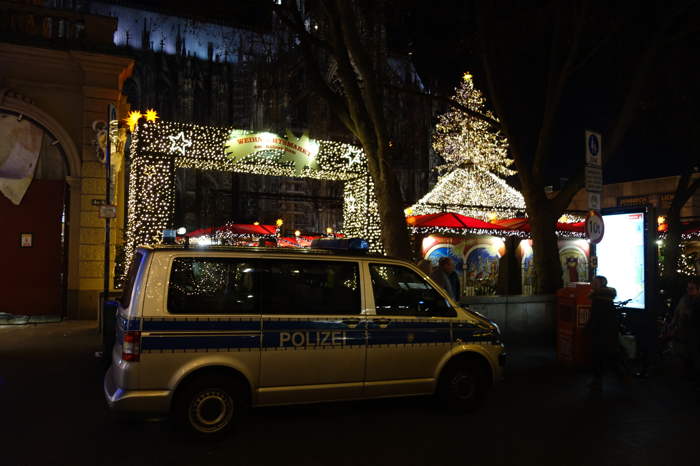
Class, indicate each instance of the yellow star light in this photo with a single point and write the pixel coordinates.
(133, 119)
(151, 115)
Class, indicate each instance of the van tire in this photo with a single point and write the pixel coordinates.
(462, 386)
(210, 405)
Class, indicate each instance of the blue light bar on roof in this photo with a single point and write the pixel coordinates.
(341, 244)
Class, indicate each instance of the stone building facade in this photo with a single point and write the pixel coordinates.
(59, 70)
(656, 192)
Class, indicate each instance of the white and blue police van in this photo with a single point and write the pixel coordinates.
(205, 333)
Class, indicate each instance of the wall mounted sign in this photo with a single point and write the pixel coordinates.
(108, 211)
(26, 240)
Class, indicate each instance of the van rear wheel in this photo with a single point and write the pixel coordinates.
(210, 405)
(462, 386)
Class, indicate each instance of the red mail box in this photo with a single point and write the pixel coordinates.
(573, 312)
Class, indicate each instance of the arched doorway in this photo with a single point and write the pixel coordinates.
(34, 201)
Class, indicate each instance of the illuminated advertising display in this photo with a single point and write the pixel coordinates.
(621, 256)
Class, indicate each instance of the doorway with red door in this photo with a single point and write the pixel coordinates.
(33, 206)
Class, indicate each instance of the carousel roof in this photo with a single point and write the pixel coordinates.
(523, 224)
(449, 220)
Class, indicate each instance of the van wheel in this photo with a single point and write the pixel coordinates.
(462, 386)
(210, 405)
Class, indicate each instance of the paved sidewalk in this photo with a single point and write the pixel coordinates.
(52, 412)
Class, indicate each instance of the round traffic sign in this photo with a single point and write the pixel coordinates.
(595, 228)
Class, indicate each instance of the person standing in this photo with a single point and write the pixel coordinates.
(685, 326)
(604, 331)
(446, 276)
(426, 266)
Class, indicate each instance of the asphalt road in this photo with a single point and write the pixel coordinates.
(52, 412)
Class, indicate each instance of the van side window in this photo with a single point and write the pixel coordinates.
(400, 291)
(212, 286)
(310, 287)
(131, 279)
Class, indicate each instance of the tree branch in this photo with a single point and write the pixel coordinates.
(556, 83)
(297, 25)
(686, 32)
(355, 104)
(368, 75)
(516, 151)
(629, 108)
(686, 188)
(562, 200)
(320, 85)
(495, 124)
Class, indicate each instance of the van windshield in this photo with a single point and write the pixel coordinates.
(131, 279)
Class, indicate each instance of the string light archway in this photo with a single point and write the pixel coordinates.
(159, 147)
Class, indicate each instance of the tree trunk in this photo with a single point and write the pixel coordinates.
(545, 249)
(395, 236)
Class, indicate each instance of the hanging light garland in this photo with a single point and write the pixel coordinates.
(452, 231)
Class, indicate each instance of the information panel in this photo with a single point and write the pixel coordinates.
(621, 256)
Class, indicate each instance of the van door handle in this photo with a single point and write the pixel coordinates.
(351, 323)
(382, 323)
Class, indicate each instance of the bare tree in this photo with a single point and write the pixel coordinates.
(349, 35)
(686, 188)
(531, 54)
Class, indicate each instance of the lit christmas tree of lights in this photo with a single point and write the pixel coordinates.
(475, 155)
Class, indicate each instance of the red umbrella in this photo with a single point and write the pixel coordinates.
(519, 223)
(523, 224)
(450, 220)
(579, 227)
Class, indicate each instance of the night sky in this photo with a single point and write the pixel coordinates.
(440, 35)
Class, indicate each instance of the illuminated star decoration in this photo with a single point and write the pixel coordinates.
(133, 119)
(151, 115)
(350, 204)
(352, 157)
(179, 143)
(302, 161)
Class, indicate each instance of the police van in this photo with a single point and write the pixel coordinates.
(203, 334)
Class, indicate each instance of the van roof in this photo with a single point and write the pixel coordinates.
(270, 250)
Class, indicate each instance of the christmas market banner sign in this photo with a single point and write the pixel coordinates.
(301, 151)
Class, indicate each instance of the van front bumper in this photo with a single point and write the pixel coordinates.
(135, 401)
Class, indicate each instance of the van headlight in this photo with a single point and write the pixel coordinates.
(496, 333)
